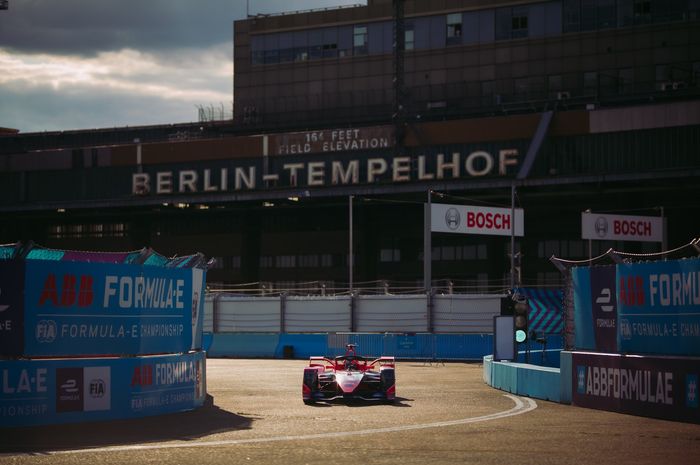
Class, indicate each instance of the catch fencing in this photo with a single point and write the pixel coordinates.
(419, 313)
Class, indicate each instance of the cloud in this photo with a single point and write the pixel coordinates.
(157, 89)
(75, 64)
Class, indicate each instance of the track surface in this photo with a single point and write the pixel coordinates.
(445, 414)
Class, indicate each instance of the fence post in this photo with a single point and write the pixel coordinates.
(283, 311)
(215, 313)
(353, 304)
(429, 305)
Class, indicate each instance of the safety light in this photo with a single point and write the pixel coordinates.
(520, 313)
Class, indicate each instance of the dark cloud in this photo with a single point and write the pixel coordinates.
(84, 27)
(80, 64)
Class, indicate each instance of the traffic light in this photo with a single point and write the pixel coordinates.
(520, 313)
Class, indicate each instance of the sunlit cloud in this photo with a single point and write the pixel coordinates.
(125, 71)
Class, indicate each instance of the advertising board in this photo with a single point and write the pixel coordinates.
(74, 309)
(661, 387)
(11, 308)
(598, 226)
(50, 391)
(469, 219)
(595, 308)
(658, 307)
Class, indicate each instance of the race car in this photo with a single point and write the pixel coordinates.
(349, 377)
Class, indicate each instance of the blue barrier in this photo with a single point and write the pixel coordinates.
(51, 391)
(407, 346)
(541, 382)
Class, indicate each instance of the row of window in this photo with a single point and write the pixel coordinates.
(442, 253)
(297, 261)
(61, 231)
(473, 27)
(445, 253)
(581, 249)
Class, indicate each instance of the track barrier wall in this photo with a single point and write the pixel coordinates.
(89, 336)
(50, 391)
(636, 344)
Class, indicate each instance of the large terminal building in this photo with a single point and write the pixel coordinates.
(347, 121)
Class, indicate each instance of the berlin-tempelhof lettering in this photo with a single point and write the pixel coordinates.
(326, 173)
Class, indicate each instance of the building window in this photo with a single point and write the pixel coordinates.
(519, 23)
(359, 40)
(454, 29)
(625, 81)
(642, 11)
(286, 261)
(61, 231)
(330, 50)
(572, 15)
(589, 15)
(389, 255)
(326, 260)
(409, 38)
(590, 83)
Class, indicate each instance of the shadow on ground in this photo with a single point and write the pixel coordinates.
(398, 402)
(172, 427)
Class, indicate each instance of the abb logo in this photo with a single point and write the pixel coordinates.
(631, 291)
(488, 220)
(69, 293)
(143, 376)
(632, 228)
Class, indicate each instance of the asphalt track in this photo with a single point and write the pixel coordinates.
(444, 414)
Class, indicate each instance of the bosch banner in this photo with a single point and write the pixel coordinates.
(648, 386)
(658, 307)
(11, 308)
(467, 219)
(597, 226)
(50, 391)
(73, 308)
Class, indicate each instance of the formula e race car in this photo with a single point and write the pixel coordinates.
(349, 377)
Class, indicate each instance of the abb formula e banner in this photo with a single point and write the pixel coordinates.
(75, 308)
(50, 391)
(468, 219)
(662, 387)
(621, 227)
(659, 307)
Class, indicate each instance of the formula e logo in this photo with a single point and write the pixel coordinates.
(601, 226)
(452, 218)
(581, 379)
(605, 298)
(3, 307)
(46, 331)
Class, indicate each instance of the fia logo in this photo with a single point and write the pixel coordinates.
(581, 379)
(625, 329)
(691, 391)
(97, 388)
(46, 331)
(604, 299)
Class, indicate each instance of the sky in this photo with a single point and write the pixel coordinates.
(82, 64)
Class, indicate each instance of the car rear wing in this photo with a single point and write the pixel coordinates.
(320, 362)
(388, 362)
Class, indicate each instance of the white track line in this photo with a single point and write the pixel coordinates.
(519, 408)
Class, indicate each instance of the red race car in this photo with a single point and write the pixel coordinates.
(349, 377)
